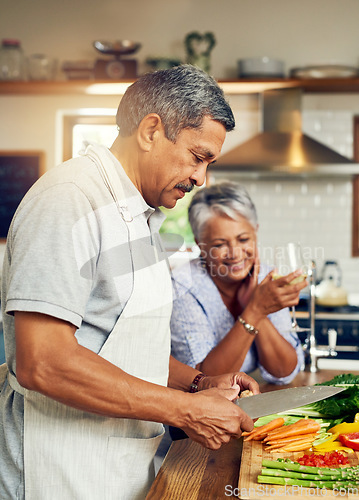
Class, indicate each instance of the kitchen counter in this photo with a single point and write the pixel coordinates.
(192, 472)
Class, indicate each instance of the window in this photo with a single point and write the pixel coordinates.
(81, 129)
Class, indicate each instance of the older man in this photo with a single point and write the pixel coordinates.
(87, 303)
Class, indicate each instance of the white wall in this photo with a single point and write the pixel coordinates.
(34, 122)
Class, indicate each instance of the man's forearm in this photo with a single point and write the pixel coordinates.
(180, 375)
(50, 361)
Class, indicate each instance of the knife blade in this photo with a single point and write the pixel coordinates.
(271, 402)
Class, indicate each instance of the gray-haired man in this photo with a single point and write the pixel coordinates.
(87, 301)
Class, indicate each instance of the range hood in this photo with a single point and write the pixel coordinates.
(282, 148)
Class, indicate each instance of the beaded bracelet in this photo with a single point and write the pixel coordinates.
(248, 327)
(194, 386)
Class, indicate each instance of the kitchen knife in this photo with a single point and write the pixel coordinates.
(271, 402)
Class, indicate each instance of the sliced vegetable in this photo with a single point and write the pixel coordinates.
(330, 484)
(350, 440)
(287, 472)
(345, 428)
(303, 426)
(290, 447)
(294, 475)
(262, 431)
(329, 470)
(289, 419)
(291, 439)
(333, 459)
(325, 438)
(286, 464)
(333, 446)
(330, 444)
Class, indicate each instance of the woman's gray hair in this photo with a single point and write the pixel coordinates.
(182, 96)
(225, 198)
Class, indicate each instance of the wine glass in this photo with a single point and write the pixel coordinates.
(289, 258)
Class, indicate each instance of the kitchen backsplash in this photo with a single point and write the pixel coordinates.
(315, 213)
(333, 128)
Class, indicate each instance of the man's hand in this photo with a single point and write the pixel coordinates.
(213, 419)
(238, 380)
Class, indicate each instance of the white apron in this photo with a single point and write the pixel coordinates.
(75, 455)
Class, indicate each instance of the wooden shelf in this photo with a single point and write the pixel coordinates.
(108, 87)
(311, 85)
(75, 87)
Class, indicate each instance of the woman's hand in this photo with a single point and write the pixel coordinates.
(272, 295)
(248, 285)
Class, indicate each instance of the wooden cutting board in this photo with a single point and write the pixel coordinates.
(251, 464)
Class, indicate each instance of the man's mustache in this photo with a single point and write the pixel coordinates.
(185, 187)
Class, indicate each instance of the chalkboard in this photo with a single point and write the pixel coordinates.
(18, 172)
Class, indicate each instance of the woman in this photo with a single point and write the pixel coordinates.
(229, 313)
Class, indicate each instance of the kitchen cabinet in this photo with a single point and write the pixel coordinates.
(109, 87)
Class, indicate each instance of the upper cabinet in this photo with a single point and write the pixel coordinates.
(109, 87)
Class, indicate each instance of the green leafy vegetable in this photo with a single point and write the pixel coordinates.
(342, 379)
(341, 406)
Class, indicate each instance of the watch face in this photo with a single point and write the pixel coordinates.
(115, 70)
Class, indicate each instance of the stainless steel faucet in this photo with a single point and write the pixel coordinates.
(310, 346)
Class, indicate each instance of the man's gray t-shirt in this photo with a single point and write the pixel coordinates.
(67, 256)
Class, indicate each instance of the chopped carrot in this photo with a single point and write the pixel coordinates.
(291, 439)
(297, 447)
(264, 429)
(299, 423)
(273, 434)
(258, 438)
(299, 442)
(290, 433)
(309, 427)
(287, 449)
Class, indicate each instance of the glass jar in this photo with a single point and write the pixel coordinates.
(11, 60)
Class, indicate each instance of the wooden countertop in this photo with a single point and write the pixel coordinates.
(191, 472)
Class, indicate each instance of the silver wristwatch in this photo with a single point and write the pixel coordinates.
(250, 328)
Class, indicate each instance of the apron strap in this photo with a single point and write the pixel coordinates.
(3, 374)
(14, 384)
(121, 206)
